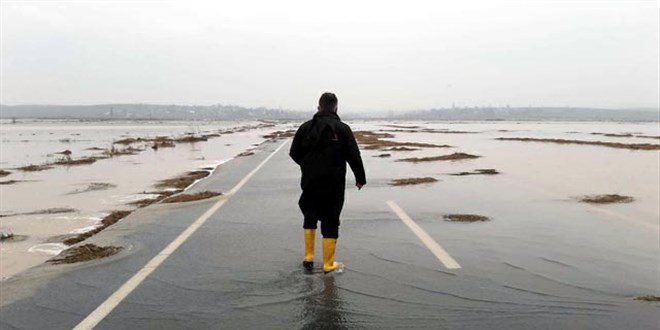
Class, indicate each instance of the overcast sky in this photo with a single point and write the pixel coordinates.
(376, 55)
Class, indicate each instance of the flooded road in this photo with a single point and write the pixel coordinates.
(544, 260)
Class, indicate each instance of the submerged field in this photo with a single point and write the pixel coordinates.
(61, 179)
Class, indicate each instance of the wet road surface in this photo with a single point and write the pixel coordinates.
(241, 268)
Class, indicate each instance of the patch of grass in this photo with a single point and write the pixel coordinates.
(109, 220)
(4, 173)
(84, 253)
(452, 157)
(191, 197)
(465, 218)
(606, 199)
(629, 146)
(383, 155)
(412, 181)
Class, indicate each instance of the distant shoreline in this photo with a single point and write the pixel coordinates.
(146, 112)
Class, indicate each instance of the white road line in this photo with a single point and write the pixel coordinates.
(431, 244)
(109, 304)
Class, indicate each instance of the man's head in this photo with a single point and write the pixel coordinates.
(328, 102)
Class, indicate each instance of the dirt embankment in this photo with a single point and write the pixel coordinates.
(451, 157)
(465, 218)
(84, 253)
(372, 141)
(606, 199)
(109, 220)
(629, 146)
(412, 181)
(181, 198)
(484, 171)
(176, 185)
(183, 181)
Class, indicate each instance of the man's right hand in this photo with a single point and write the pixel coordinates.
(359, 185)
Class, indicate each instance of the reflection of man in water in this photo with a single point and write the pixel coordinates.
(322, 147)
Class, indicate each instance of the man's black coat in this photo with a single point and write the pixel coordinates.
(322, 147)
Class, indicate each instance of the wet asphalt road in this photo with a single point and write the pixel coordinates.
(241, 269)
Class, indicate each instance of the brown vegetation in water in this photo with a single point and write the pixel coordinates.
(452, 157)
(84, 253)
(606, 199)
(163, 144)
(280, 134)
(412, 181)
(55, 210)
(245, 153)
(127, 141)
(649, 298)
(402, 126)
(383, 155)
(371, 140)
(181, 182)
(400, 149)
(485, 171)
(148, 201)
(465, 217)
(630, 146)
(191, 197)
(191, 139)
(34, 168)
(8, 182)
(75, 162)
(4, 173)
(427, 130)
(109, 220)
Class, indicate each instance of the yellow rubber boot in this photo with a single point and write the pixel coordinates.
(310, 237)
(329, 263)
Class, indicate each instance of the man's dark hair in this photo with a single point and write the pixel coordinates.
(327, 102)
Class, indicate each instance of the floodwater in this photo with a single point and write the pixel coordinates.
(544, 260)
(96, 189)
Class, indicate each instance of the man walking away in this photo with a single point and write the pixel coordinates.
(322, 147)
